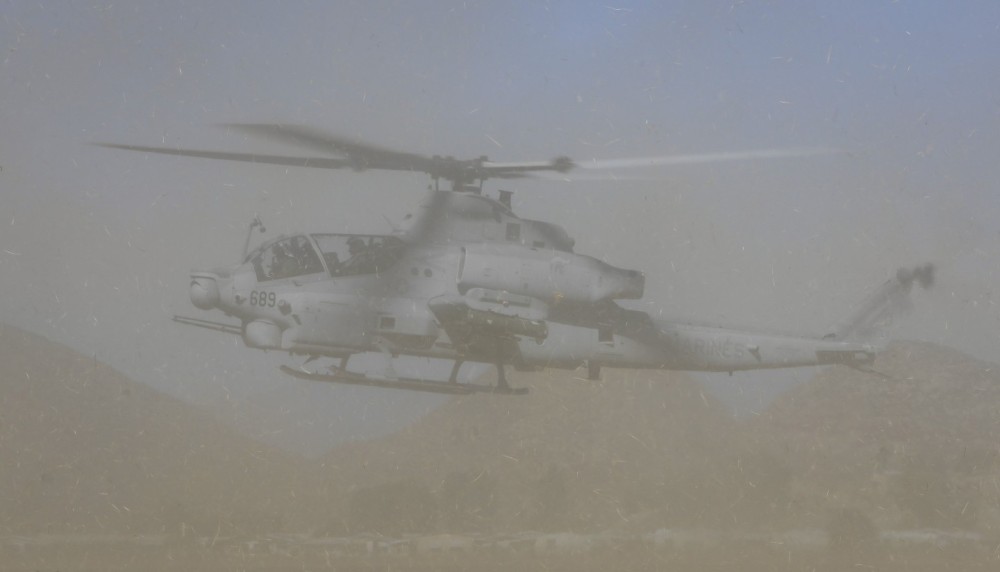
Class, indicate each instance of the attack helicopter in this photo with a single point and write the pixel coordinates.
(471, 281)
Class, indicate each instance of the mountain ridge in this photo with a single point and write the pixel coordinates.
(84, 447)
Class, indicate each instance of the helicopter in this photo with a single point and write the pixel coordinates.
(471, 281)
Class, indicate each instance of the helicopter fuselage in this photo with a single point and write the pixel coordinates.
(480, 284)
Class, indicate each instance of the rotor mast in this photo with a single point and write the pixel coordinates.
(464, 175)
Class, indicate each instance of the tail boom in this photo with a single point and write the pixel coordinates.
(700, 348)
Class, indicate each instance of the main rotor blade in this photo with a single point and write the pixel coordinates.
(366, 156)
(314, 162)
(520, 169)
(691, 159)
(362, 155)
(356, 155)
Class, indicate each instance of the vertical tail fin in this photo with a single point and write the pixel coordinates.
(888, 302)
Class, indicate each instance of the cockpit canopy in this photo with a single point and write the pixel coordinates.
(354, 254)
(339, 255)
(286, 258)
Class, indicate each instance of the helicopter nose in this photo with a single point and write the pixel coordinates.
(204, 291)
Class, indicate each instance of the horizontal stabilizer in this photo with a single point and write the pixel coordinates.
(848, 357)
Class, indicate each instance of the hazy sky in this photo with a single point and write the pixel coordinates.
(96, 245)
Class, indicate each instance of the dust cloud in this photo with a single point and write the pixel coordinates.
(129, 441)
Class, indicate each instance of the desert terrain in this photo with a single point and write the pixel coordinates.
(641, 470)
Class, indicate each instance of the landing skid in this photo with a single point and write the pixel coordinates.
(407, 383)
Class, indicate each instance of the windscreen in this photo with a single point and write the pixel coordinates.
(352, 254)
(287, 258)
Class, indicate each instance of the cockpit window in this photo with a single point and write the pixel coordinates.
(352, 254)
(287, 258)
